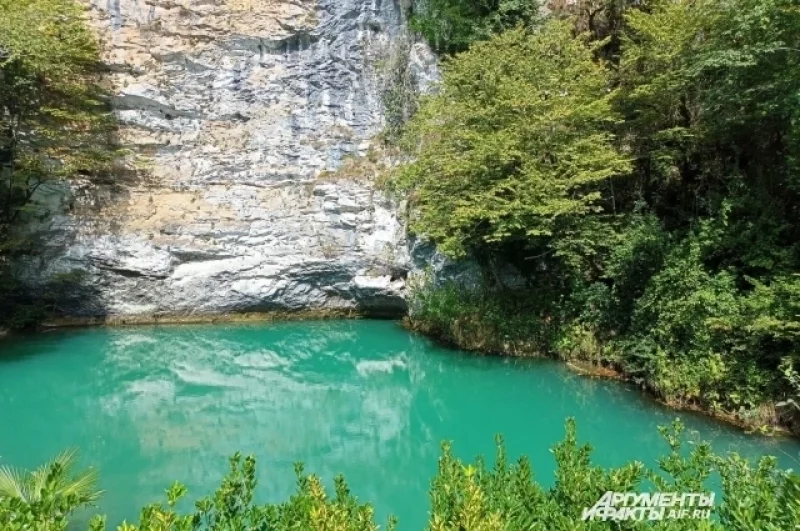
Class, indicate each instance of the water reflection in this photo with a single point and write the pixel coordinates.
(317, 394)
(155, 404)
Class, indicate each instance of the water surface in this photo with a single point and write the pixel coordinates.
(152, 405)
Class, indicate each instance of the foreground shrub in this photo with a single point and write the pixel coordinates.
(42, 499)
(507, 497)
(232, 507)
(469, 497)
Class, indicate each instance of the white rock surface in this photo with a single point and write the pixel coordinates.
(238, 106)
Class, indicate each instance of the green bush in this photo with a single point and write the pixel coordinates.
(478, 320)
(474, 496)
(693, 337)
(232, 507)
(43, 499)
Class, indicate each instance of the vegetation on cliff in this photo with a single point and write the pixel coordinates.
(637, 163)
(463, 497)
(55, 125)
(452, 25)
(494, 163)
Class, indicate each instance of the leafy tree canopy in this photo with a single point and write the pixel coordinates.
(516, 140)
(55, 125)
(53, 119)
(452, 25)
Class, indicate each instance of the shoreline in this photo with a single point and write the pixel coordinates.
(607, 373)
(200, 318)
(591, 370)
(256, 316)
(120, 321)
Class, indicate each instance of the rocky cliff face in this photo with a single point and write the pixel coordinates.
(236, 108)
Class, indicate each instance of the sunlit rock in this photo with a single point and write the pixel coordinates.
(234, 108)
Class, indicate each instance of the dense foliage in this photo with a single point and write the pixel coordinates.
(452, 25)
(515, 150)
(466, 497)
(55, 125)
(641, 173)
(43, 499)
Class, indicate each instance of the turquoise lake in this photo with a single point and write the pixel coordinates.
(151, 405)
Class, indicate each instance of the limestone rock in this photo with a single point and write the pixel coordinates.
(237, 106)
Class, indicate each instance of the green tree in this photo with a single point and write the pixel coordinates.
(55, 120)
(710, 94)
(516, 141)
(53, 111)
(450, 26)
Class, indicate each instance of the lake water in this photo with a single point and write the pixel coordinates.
(152, 405)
